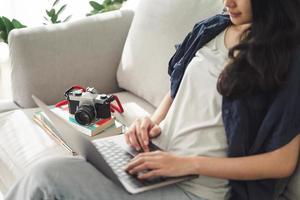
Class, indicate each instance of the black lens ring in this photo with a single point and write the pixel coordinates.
(85, 114)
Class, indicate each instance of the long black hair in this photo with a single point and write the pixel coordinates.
(261, 60)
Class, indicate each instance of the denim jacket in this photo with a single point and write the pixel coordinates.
(254, 124)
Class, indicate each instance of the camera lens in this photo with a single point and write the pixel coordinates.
(85, 114)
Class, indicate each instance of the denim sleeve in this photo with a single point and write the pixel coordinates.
(177, 62)
(202, 33)
(180, 49)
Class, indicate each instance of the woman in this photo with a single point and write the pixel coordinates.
(229, 119)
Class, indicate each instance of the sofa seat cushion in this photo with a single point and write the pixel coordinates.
(156, 27)
(134, 107)
(7, 105)
(22, 144)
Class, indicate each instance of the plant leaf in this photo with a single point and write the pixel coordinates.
(17, 24)
(61, 9)
(55, 2)
(2, 26)
(3, 36)
(48, 13)
(96, 5)
(107, 2)
(114, 6)
(54, 19)
(51, 13)
(68, 18)
(8, 25)
(119, 1)
(93, 12)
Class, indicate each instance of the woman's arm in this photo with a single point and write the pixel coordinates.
(279, 163)
(142, 129)
(276, 164)
(162, 110)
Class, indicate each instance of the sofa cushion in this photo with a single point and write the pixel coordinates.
(7, 105)
(134, 107)
(83, 52)
(151, 39)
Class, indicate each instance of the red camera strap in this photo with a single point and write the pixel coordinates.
(61, 103)
(118, 108)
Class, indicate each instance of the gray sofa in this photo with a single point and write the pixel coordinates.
(122, 52)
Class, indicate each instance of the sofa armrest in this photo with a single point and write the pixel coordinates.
(7, 105)
(49, 59)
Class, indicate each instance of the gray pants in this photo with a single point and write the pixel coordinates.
(74, 179)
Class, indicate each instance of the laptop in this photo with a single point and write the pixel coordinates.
(109, 155)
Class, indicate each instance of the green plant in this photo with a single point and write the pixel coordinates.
(6, 26)
(107, 5)
(54, 13)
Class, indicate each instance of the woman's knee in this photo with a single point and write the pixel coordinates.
(41, 181)
(51, 167)
(54, 177)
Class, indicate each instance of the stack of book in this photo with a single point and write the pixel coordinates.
(99, 129)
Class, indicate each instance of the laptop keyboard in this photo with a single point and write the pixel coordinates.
(117, 158)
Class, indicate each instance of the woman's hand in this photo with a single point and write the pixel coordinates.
(140, 132)
(158, 163)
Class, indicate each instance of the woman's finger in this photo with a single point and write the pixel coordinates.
(151, 153)
(126, 135)
(151, 174)
(155, 131)
(143, 167)
(133, 136)
(129, 132)
(143, 136)
(149, 157)
(134, 162)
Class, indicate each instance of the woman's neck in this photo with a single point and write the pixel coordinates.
(234, 34)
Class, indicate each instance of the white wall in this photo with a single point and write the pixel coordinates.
(31, 12)
(28, 12)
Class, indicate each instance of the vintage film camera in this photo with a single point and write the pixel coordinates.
(87, 105)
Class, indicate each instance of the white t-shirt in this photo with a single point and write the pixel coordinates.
(193, 125)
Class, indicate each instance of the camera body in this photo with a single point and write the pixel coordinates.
(89, 105)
